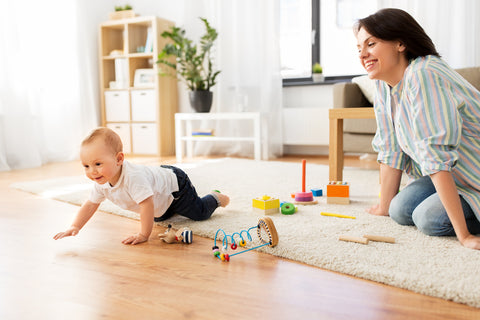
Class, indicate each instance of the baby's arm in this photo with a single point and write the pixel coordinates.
(84, 214)
(146, 221)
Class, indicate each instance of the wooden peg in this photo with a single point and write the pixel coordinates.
(361, 240)
(379, 238)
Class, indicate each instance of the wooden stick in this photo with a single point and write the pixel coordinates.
(304, 165)
(379, 238)
(361, 240)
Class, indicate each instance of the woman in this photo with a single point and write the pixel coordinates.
(428, 125)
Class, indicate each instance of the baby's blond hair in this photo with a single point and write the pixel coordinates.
(109, 137)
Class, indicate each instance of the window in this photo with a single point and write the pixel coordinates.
(299, 37)
(326, 36)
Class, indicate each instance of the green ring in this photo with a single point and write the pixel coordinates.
(288, 208)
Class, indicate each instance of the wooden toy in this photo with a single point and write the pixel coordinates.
(361, 240)
(266, 232)
(366, 238)
(317, 192)
(182, 235)
(336, 215)
(338, 192)
(266, 205)
(304, 197)
(288, 208)
(379, 238)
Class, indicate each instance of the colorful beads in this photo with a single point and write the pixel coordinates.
(242, 243)
(233, 246)
(216, 251)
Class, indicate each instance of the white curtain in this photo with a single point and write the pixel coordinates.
(248, 54)
(453, 26)
(48, 100)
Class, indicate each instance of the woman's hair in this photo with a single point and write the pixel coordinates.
(397, 25)
(109, 137)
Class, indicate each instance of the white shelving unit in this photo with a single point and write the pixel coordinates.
(184, 129)
(142, 113)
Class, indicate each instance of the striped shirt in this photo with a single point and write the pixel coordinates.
(430, 122)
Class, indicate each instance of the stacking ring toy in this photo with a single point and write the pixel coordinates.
(288, 208)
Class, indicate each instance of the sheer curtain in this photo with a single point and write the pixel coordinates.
(48, 100)
(247, 53)
(453, 26)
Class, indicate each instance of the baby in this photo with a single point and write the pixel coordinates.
(156, 193)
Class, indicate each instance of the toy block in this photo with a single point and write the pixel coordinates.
(317, 192)
(338, 189)
(267, 211)
(338, 200)
(266, 205)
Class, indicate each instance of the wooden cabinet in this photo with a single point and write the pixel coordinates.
(136, 102)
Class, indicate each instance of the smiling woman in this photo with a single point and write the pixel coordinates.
(424, 110)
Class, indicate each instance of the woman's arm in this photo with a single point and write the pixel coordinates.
(146, 222)
(448, 193)
(390, 182)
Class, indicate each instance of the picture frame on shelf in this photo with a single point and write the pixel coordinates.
(144, 78)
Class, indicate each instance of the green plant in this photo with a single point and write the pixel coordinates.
(126, 7)
(193, 63)
(317, 68)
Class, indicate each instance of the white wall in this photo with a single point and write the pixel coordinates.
(306, 118)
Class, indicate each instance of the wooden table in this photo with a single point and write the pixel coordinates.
(335, 151)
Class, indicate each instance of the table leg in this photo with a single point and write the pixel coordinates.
(335, 156)
(258, 140)
(189, 143)
(178, 140)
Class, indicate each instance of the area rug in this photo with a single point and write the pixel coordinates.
(434, 266)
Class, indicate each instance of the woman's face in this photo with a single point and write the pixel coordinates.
(383, 60)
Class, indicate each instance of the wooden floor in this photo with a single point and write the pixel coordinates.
(95, 276)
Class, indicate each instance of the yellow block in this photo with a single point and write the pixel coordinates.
(266, 203)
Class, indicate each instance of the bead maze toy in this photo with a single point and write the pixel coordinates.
(265, 229)
(304, 197)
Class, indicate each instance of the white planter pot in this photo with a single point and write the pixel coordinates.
(318, 77)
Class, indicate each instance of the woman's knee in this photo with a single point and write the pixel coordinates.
(431, 218)
(398, 212)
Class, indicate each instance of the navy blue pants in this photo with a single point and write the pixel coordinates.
(186, 201)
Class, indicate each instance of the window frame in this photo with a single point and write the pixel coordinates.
(316, 50)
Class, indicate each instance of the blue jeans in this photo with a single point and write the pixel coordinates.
(186, 201)
(419, 204)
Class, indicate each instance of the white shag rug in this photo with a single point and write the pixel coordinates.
(435, 266)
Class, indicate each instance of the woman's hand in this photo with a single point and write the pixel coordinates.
(471, 242)
(135, 239)
(377, 211)
(72, 231)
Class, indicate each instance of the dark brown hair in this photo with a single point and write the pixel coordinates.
(397, 25)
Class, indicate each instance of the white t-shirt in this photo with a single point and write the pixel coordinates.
(137, 183)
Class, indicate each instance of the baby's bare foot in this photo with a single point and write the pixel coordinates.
(222, 198)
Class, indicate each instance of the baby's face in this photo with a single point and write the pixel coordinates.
(101, 164)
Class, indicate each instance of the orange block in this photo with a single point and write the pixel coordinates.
(338, 189)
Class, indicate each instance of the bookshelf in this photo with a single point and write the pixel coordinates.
(136, 102)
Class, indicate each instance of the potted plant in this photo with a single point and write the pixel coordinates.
(192, 65)
(317, 73)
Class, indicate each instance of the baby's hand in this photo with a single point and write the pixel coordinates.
(135, 239)
(72, 231)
